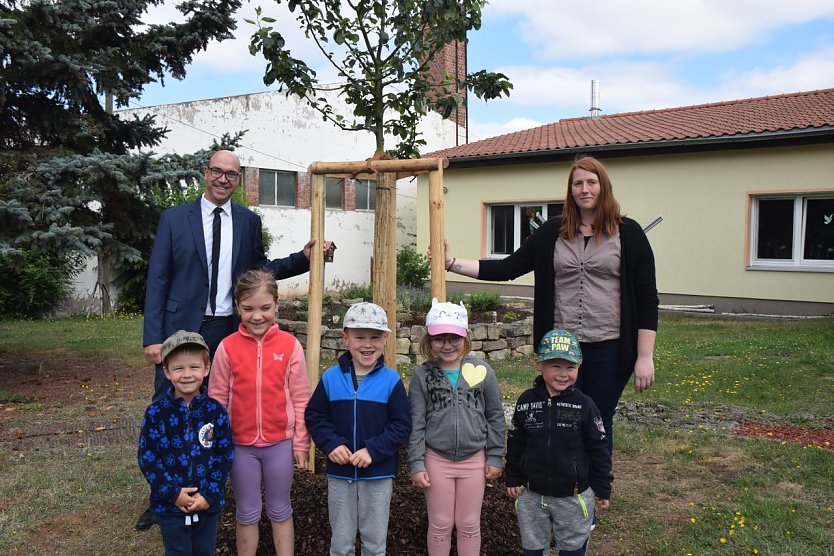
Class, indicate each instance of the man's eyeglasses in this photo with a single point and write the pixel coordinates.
(454, 341)
(231, 175)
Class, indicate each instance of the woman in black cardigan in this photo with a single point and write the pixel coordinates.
(575, 259)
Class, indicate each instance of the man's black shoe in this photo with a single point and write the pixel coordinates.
(145, 521)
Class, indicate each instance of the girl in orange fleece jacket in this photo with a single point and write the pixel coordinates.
(260, 375)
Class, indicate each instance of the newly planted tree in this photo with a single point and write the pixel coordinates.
(383, 52)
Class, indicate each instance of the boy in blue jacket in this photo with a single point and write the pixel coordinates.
(359, 417)
(186, 450)
(556, 437)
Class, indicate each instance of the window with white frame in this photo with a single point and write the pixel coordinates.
(512, 223)
(793, 232)
(333, 192)
(365, 195)
(276, 188)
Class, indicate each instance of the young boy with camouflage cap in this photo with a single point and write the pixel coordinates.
(556, 437)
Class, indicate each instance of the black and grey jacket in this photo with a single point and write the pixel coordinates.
(554, 441)
(455, 423)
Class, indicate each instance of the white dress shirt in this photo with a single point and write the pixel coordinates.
(224, 305)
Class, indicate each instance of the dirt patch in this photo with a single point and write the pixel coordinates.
(57, 379)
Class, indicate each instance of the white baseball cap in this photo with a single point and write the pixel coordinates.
(366, 315)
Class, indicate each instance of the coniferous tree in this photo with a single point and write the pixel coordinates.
(71, 180)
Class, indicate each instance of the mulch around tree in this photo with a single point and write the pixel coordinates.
(822, 438)
(407, 525)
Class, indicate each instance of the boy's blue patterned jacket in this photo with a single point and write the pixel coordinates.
(186, 446)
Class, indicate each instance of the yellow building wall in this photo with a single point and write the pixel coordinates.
(700, 247)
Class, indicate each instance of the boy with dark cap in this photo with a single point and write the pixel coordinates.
(556, 437)
(186, 450)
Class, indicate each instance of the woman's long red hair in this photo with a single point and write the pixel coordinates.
(607, 213)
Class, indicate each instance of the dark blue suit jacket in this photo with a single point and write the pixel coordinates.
(178, 283)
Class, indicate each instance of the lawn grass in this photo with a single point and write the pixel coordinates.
(118, 337)
(782, 367)
(679, 488)
(785, 367)
(683, 491)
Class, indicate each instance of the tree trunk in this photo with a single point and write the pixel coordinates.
(103, 281)
(385, 258)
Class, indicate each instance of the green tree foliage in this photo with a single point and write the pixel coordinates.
(60, 57)
(413, 269)
(41, 280)
(381, 49)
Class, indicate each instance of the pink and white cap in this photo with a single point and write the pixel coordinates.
(447, 318)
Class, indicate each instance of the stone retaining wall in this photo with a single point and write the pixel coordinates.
(490, 342)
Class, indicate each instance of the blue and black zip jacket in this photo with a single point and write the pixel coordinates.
(554, 441)
(373, 415)
(185, 445)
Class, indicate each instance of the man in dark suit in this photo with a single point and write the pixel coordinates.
(185, 290)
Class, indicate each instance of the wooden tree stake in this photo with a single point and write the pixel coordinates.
(315, 294)
(437, 234)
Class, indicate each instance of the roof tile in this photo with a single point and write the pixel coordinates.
(794, 111)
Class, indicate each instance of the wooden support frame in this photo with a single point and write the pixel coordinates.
(387, 173)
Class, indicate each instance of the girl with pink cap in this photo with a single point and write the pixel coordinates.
(457, 435)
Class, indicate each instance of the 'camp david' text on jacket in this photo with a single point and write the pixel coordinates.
(552, 442)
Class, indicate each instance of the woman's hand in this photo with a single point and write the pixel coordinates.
(458, 266)
(643, 374)
(448, 258)
(644, 366)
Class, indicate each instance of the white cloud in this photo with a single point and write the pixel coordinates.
(632, 86)
(810, 71)
(570, 28)
(624, 86)
(484, 130)
(232, 55)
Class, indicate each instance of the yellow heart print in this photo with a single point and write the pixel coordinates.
(473, 375)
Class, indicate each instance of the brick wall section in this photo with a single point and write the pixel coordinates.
(349, 197)
(451, 61)
(302, 190)
(251, 185)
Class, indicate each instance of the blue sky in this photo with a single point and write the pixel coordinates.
(647, 54)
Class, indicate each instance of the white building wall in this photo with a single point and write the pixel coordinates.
(284, 133)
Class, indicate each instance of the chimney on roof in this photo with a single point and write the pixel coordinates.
(595, 110)
(446, 71)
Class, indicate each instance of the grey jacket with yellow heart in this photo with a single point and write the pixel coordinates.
(455, 423)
